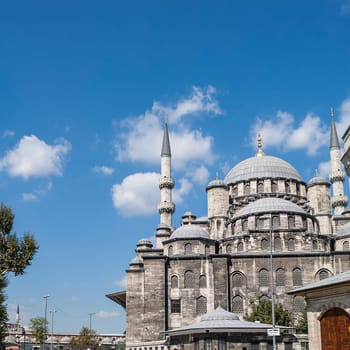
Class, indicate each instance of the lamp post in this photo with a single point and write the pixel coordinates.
(272, 290)
(24, 338)
(90, 315)
(45, 297)
(52, 312)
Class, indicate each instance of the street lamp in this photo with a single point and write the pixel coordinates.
(52, 312)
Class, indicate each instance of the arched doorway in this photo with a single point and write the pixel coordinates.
(335, 330)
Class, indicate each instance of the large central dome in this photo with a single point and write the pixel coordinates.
(261, 167)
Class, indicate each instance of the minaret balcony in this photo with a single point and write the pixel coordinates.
(166, 182)
(336, 175)
(166, 207)
(339, 201)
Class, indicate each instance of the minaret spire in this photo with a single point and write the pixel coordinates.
(337, 175)
(166, 207)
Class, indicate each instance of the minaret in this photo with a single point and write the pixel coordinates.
(166, 207)
(18, 318)
(337, 175)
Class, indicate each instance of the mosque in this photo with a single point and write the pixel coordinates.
(222, 263)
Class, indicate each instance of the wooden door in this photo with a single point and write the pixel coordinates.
(335, 330)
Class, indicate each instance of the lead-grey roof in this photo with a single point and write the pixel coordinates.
(190, 231)
(336, 279)
(269, 205)
(221, 320)
(318, 180)
(166, 143)
(261, 167)
(334, 141)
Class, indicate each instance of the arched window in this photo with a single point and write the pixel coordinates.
(260, 223)
(240, 247)
(247, 188)
(264, 244)
(323, 274)
(201, 305)
(237, 280)
(314, 245)
(261, 187)
(237, 304)
(291, 221)
(346, 245)
(188, 248)
(298, 304)
(297, 277)
(275, 222)
(188, 279)
(265, 298)
(229, 249)
(207, 250)
(202, 281)
(280, 278)
(174, 282)
(278, 244)
(264, 278)
(291, 244)
(274, 187)
(245, 225)
(170, 250)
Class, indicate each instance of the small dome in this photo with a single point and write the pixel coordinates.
(144, 242)
(261, 167)
(219, 314)
(190, 231)
(216, 183)
(318, 180)
(269, 205)
(136, 261)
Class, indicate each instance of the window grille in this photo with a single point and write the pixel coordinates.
(278, 244)
(201, 305)
(247, 188)
(275, 222)
(188, 248)
(202, 281)
(274, 187)
(323, 274)
(170, 250)
(298, 304)
(260, 187)
(240, 246)
(260, 223)
(245, 225)
(264, 278)
(346, 245)
(229, 249)
(174, 282)
(297, 277)
(188, 279)
(291, 222)
(291, 244)
(237, 280)
(237, 304)
(280, 278)
(175, 306)
(207, 250)
(264, 244)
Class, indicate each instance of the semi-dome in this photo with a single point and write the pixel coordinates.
(136, 261)
(219, 314)
(145, 243)
(262, 167)
(269, 205)
(318, 180)
(189, 232)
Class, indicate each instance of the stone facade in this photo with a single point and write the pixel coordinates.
(261, 207)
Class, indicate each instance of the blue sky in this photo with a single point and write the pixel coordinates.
(85, 87)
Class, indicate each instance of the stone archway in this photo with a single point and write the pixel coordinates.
(335, 330)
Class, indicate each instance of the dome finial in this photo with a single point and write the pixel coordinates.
(260, 152)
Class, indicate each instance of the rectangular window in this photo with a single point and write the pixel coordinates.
(175, 306)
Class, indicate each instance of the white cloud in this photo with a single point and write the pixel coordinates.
(181, 192)
(324, 169)
(29, 197)
(142, 136)
(121, 283)
(107, 314)
(138, 194)
(344, 118)
(8, 133)
(310, 134)
(200, 175)
(32, 157)
(105, 170)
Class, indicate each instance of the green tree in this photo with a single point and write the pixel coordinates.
(39, 328)
(262, 311)
(300, 322)
(86, 339)
(15, 255)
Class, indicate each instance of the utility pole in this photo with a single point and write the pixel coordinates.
(46, 297)
(90, 315)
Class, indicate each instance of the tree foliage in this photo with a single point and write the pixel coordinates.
(15, 255)
(262, 311)
(86, 339)
(39, 328)
(300, 322)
